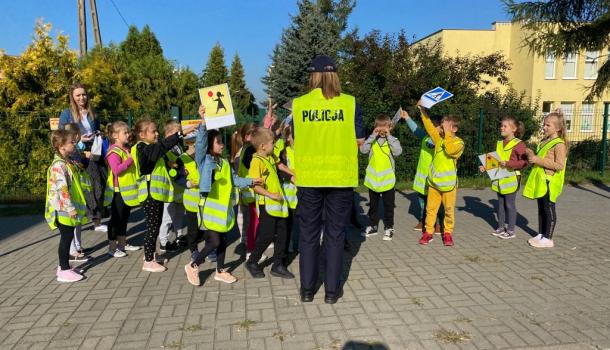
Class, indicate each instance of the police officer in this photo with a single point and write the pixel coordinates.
(327, 129)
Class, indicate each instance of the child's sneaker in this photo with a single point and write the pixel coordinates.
(211, 257)
(498, 232)
(225, 276)
(168, 247)
(131, 248)
(535, 238)
(101, 228)
(447, 239)
(263, 257)
(418, 227)
(543, 243)
(507, 234)
(437, 229)
(153, 266)
(68, 276)
(192, 274)
(370, 231)
(426, 238)
(389, 233)
(80, 258)
(117, 253)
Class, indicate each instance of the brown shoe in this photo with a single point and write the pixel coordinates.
(437, 229)
(192, 274)
(418, 227)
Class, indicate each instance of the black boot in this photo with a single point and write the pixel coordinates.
(279, 270)
(306, 296)
(255, 270)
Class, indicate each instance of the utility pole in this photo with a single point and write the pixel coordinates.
(82, 28)
(96, 25)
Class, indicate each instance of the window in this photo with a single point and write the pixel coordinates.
(549, 66)
(546, 108)
(569, 66)
(586, 117)
(591, 64)
(568, 111)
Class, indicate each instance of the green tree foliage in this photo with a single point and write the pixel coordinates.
(215, 71)
(566, 26)
(315, 30)
(242, 98)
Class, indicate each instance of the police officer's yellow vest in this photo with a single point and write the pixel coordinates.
(536, 185)
(509, 184)
(246, 194)
(216, 210)
(191, 197)
(77, 197)
(380, 176)
(325, 149)
(423, 167)
(158, 183)
(443, 171)
(290, 189)
(128, 186)
(178, 190)
(274, 208)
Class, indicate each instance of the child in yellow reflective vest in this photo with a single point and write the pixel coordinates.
(512, 152)
(442, 180)
(65, 206)
(545, 181)
(380, 177)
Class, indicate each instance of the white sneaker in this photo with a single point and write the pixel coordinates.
(536, 238)
(271, 246)
(389, 233)
(369, 231)
(131, 248)
(117, 253)
(101, 228)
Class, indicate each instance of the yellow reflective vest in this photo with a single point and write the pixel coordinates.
(274, 208)
(290, 189)
(423, 167)
(380, 176)
(509, 184)
(216, 209)
(538, 182)
(77, 197)
(325, 148)
(158, 183)
(191, 197)
(246, 194)
(127, 187)
(443, 170)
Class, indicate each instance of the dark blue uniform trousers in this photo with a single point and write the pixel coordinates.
(332, 208)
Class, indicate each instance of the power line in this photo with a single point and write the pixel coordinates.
(119, 12)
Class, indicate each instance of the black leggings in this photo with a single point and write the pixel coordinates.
(119, 217)
(547, 217)
(192, 231)
(387, 198)
(153, 211)
(66, 235)
(213, 240)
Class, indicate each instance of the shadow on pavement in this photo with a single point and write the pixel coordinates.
(477, 208)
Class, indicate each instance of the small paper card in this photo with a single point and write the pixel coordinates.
(435, 96)
(491, 163)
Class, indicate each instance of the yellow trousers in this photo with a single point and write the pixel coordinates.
(435, 198)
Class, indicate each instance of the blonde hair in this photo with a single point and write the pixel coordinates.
(383, 120)
(236, 143)
(261, 136)
(328, 81)
(170, 126)
(520, 128)
(141, 125)
(560, 124)
(59, 138)
(74, 106)
(114, 128)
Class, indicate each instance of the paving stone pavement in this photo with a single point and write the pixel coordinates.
(483, 293)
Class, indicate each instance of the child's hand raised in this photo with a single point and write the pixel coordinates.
(481, 168)
(404, 115)
(189, 129)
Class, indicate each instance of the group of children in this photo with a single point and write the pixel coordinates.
(200, 188)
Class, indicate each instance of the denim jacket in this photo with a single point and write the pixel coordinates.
(206, 164)
(66, 117)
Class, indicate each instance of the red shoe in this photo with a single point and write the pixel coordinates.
(447, 239)
(425, 238)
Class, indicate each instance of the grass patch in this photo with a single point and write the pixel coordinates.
(451, 337)
(473, 258)
(18, 209)
(417, 301)
(279, 335)
(192, 328)
(245, 325)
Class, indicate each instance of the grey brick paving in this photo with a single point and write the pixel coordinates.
(398, 295)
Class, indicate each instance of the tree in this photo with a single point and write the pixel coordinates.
(215, 71)
(315, 30)
(240, 95)
(560, 27)
(186, 84)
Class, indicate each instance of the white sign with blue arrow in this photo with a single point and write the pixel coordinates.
(435, 96)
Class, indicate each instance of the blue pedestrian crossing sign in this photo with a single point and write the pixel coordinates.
(435, 96)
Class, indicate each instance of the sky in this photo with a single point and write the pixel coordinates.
(188, 29)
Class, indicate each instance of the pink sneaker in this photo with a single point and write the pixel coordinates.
(153, 266)
(68, 276)
(225, 276)
(192, 274)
